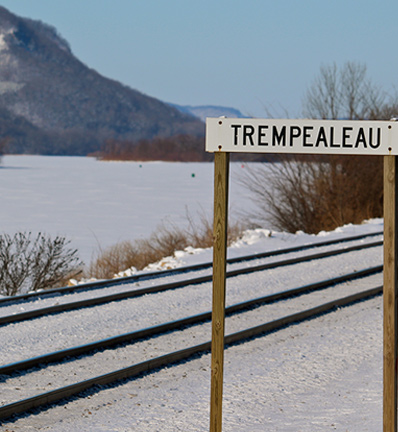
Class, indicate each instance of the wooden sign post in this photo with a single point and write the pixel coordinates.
(305, 137)
(390, 295)
(221, 176)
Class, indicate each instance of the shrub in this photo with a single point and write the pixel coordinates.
(314, 194)
(28, 264)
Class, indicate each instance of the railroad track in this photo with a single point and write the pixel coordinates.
(186, 269)
(244, 320)
(65, 303)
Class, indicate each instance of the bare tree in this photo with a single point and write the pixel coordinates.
(323, 97)
(282, 192)
(14, 263)
(28, 264)
(311, 195)
(321, 193)
(345, 93)
(52, 262)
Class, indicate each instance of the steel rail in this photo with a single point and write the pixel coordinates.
(177, 324)
(174, 285)
(184, 269)
(149, 366)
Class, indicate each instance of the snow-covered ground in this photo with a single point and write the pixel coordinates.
(262, 240)
(322, 374)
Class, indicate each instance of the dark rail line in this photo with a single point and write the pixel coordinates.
(25, 405)
(186, 269)
(173, 285)
(57, 356)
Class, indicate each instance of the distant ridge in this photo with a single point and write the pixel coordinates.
(51, 103)
(204, 111)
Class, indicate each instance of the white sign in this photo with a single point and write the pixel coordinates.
(302, 136)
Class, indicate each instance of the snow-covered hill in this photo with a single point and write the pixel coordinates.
(204, 111)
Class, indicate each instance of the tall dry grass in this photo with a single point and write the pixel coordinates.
(166, 240)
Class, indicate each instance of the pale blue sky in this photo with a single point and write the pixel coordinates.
(245, 54)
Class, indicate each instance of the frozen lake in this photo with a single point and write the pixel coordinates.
(96, 203)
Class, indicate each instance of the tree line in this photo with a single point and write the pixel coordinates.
(179, 148)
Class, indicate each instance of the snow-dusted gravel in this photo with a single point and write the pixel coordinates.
(54, 332)
(100, 363)
(323, 374)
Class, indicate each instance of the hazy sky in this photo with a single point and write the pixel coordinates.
(247, 54)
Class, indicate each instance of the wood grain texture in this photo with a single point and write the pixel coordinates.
(390, 296)
(221, 179)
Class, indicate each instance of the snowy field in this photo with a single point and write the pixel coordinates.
(324, 374)
(97, 204)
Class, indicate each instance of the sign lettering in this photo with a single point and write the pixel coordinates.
(301, 136)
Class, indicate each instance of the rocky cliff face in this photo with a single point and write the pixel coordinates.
(51, 103)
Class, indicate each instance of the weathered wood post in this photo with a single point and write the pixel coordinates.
(345, 137)
(221, 175)
(390, 295)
